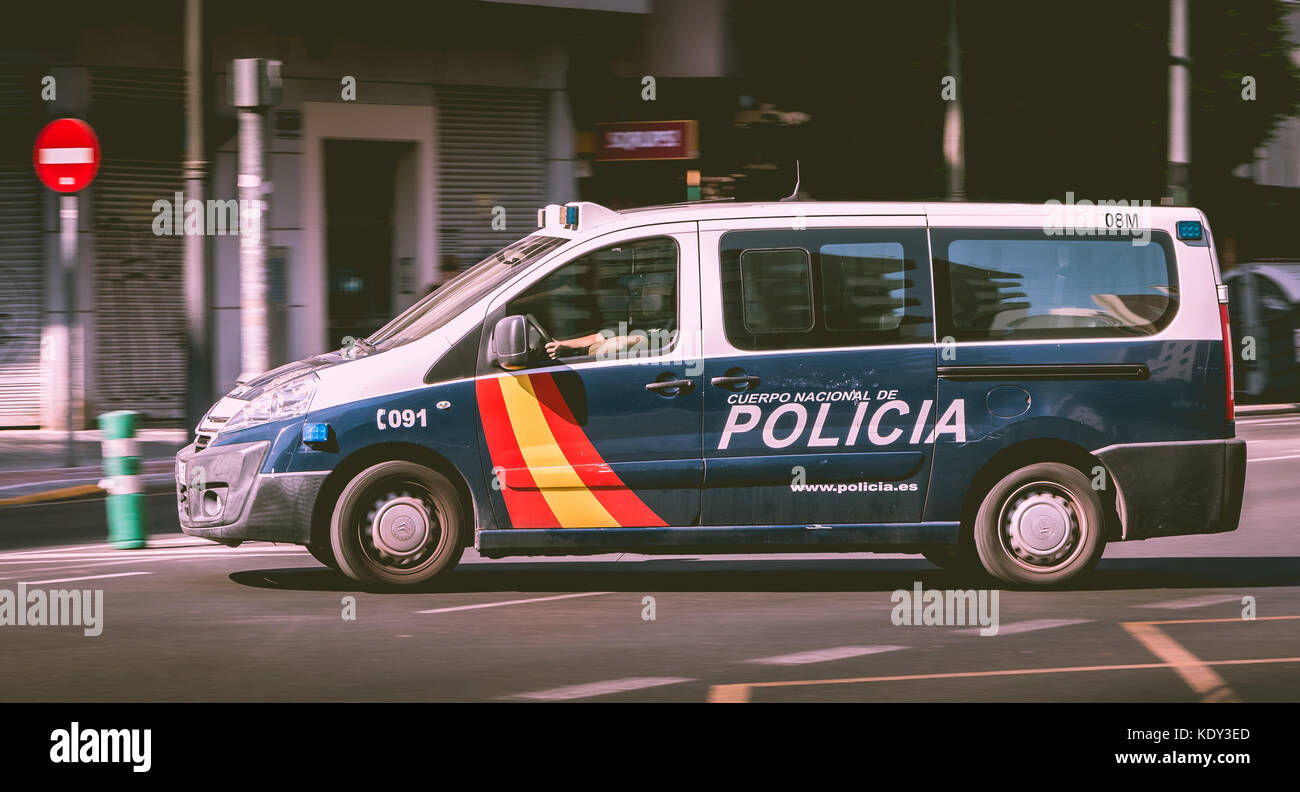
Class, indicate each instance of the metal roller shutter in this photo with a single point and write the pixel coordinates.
(22, 256)
(139, 278)
(492, 152)
(139, 293)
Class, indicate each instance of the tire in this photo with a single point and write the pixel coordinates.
(397, 524)
(324, 554)
(1040, 525)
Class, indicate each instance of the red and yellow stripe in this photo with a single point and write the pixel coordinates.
(554, 477)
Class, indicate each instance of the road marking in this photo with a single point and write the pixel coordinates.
(75, 565)
(1272, 421)
(1026, 626)
(735, 693)
(1273, 459)
(147, 555)
(514, 602)
(729, 694)
(1194, 602)
(824, 655)
(1215, 621)
(87, 577)
(1202, 679)
(600, 688)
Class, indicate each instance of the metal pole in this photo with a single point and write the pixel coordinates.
(68, 252)
(254, 346)
(954, 146)
(1180, 147)
(198, 393)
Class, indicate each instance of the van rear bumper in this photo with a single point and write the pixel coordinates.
(1177, 488)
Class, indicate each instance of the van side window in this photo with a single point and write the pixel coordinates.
(1025, 284)
(825, 288)
(776, 286)
(626, 293)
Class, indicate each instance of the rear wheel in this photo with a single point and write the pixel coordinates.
(1040, 525)
(397, 524)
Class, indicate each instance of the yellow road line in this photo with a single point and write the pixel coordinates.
(54, 494)
(729, 694)
(1211, 621)
(733, 694)
(1199, 677)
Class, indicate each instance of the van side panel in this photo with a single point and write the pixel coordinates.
(1071, 341)
(1136, 392)
(448, 431)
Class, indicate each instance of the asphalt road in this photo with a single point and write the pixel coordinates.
(190, 621)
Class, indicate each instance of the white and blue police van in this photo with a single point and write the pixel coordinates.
(977, 383)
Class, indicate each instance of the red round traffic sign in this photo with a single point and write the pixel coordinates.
(66, 155)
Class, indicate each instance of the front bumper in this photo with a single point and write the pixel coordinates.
(220, 495)
(1178, 488)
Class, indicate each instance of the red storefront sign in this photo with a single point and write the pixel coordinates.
(647, 140)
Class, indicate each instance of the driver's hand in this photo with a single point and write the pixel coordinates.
(553, 348)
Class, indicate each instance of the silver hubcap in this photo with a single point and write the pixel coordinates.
(401, 530)
(401, 527)
(1042, 526)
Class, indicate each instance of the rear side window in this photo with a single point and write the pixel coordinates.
(776, 287)
(1024, 284)
(814, 288)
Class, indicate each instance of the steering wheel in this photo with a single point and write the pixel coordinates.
(533, 324)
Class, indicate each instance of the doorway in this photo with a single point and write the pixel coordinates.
(361, 186)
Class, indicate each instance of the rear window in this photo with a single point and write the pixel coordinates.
(1024, 284)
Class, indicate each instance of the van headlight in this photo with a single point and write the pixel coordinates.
(290, 399)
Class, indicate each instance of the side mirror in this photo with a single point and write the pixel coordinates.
(510, 342)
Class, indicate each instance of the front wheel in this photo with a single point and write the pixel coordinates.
(1040, 525)
(397, 524)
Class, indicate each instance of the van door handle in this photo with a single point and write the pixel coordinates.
(730, 383)
(671, 387)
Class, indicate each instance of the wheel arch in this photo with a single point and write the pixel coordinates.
(1043, 449)
(363, 458)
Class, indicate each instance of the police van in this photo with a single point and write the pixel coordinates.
(976, 383)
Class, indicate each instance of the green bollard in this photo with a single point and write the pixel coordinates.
(127, 527)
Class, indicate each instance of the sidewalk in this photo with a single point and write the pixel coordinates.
(31, 463)
(1251, 410)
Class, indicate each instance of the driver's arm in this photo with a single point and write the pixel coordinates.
(584, 343)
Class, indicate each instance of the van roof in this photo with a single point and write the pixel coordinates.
(722, 210)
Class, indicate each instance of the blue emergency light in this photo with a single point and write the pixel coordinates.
(571, 216)
(1189, 230)
(315, 433)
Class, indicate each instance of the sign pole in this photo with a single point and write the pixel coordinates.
(66, 158)
(254, 86)
(68, 247)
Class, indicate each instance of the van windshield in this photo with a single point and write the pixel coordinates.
(451, 298)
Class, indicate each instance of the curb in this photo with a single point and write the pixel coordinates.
(39, 492)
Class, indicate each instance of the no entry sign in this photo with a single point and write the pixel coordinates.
(66, 155)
